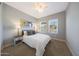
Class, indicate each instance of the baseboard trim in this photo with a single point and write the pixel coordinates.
(70, 48)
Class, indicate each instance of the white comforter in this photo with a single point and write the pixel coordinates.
(37, 41)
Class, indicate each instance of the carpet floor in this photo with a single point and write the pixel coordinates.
(53, 48)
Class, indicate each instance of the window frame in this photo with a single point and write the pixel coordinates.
(53, 20)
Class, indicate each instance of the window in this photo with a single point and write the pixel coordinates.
(43, 27)
(53, 26)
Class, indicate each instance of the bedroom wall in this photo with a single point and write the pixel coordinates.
(10, 17)
(72, 27)
(61, 24)
(0, 26)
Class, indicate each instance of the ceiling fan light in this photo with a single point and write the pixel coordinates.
(40, 6)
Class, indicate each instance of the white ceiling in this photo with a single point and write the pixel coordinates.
(27, 7)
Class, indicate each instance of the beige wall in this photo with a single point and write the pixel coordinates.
(61, 24)
(0, 26)
(72, 27)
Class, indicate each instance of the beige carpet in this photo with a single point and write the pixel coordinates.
(54, 48)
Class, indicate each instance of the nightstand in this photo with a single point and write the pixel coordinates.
(16, 40)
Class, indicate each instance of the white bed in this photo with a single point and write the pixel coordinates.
(37, 41)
